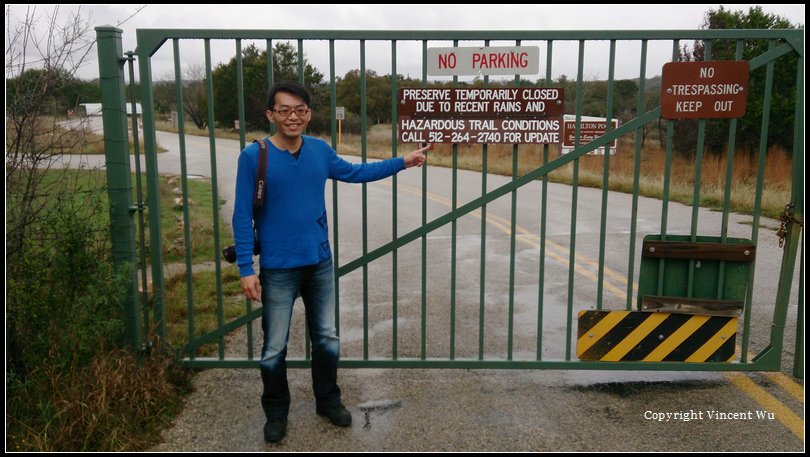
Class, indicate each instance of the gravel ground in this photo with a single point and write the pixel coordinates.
(392, 410)
(429, 410)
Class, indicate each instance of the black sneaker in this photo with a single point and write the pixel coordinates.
(337, 415)
(275, 430)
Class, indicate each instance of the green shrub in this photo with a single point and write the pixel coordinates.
(69, 386)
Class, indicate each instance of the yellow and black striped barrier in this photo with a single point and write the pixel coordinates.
(655, 337)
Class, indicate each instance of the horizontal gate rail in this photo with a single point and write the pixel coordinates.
(150, 40)
(495, 364)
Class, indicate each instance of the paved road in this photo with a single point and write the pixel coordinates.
(507, 410)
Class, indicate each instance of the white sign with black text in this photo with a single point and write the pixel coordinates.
(488, 60)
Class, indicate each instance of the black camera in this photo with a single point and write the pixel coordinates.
(229, 253)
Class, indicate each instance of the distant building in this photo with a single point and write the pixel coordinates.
(90, 109)
(94, 109)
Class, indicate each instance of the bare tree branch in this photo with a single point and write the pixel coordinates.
(39, 65)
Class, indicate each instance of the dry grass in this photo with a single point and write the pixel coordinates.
(713, 178)
(116, 403)
(775, 194)
(52, 138)
(191, 129)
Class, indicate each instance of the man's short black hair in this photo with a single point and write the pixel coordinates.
(291, 87)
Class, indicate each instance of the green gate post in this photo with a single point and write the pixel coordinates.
(119, 184)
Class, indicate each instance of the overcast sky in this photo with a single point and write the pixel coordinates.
(408, 17)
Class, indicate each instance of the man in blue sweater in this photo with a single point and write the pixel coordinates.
(295, 254)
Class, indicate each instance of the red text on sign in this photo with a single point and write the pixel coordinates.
(500, 60)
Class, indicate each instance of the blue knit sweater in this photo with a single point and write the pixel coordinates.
(293, 228)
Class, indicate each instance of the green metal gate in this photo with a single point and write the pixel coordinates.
(410, 343)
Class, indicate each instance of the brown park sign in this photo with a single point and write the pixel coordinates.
(590, 128)
(701, 90)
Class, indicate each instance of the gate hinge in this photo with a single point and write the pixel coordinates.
(137, 208)
(784, 223)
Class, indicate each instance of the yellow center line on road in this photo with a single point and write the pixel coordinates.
(784, 414)
(781, 379)
(784, 381)
(532, 240)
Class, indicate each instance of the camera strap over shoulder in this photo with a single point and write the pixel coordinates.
(229, 253)
(261, 176)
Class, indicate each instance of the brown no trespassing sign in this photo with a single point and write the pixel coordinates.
(704, 90)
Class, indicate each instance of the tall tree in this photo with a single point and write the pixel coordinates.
(780, 130)
(255, 83)
(195, 101)
(195, 97)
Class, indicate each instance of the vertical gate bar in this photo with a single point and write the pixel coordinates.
(763, 149)
(453, 230)
(268, 44)
(636, 175)
(512, 244)
(152, 191)
(394, 235)
(271, 79)
(512, 248)
(333, 123)
(424, 222)
(138, 194)
(181, 131)
(363, 145)
(798, 184)
(543, 213)
(667, 174)
(605, 176)
(701, 138)
(335, 225)
(732, 139)
(798, 353)
(301, 78)
(119, 181)
(212, 147)
(794, 228)
(240, 94)
(483, 271)
(240, 98)
(574, 191)
(307, 342)
(270, 75)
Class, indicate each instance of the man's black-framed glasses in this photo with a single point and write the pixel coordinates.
(285, 112)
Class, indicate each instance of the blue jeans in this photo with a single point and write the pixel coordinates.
(316, 285)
